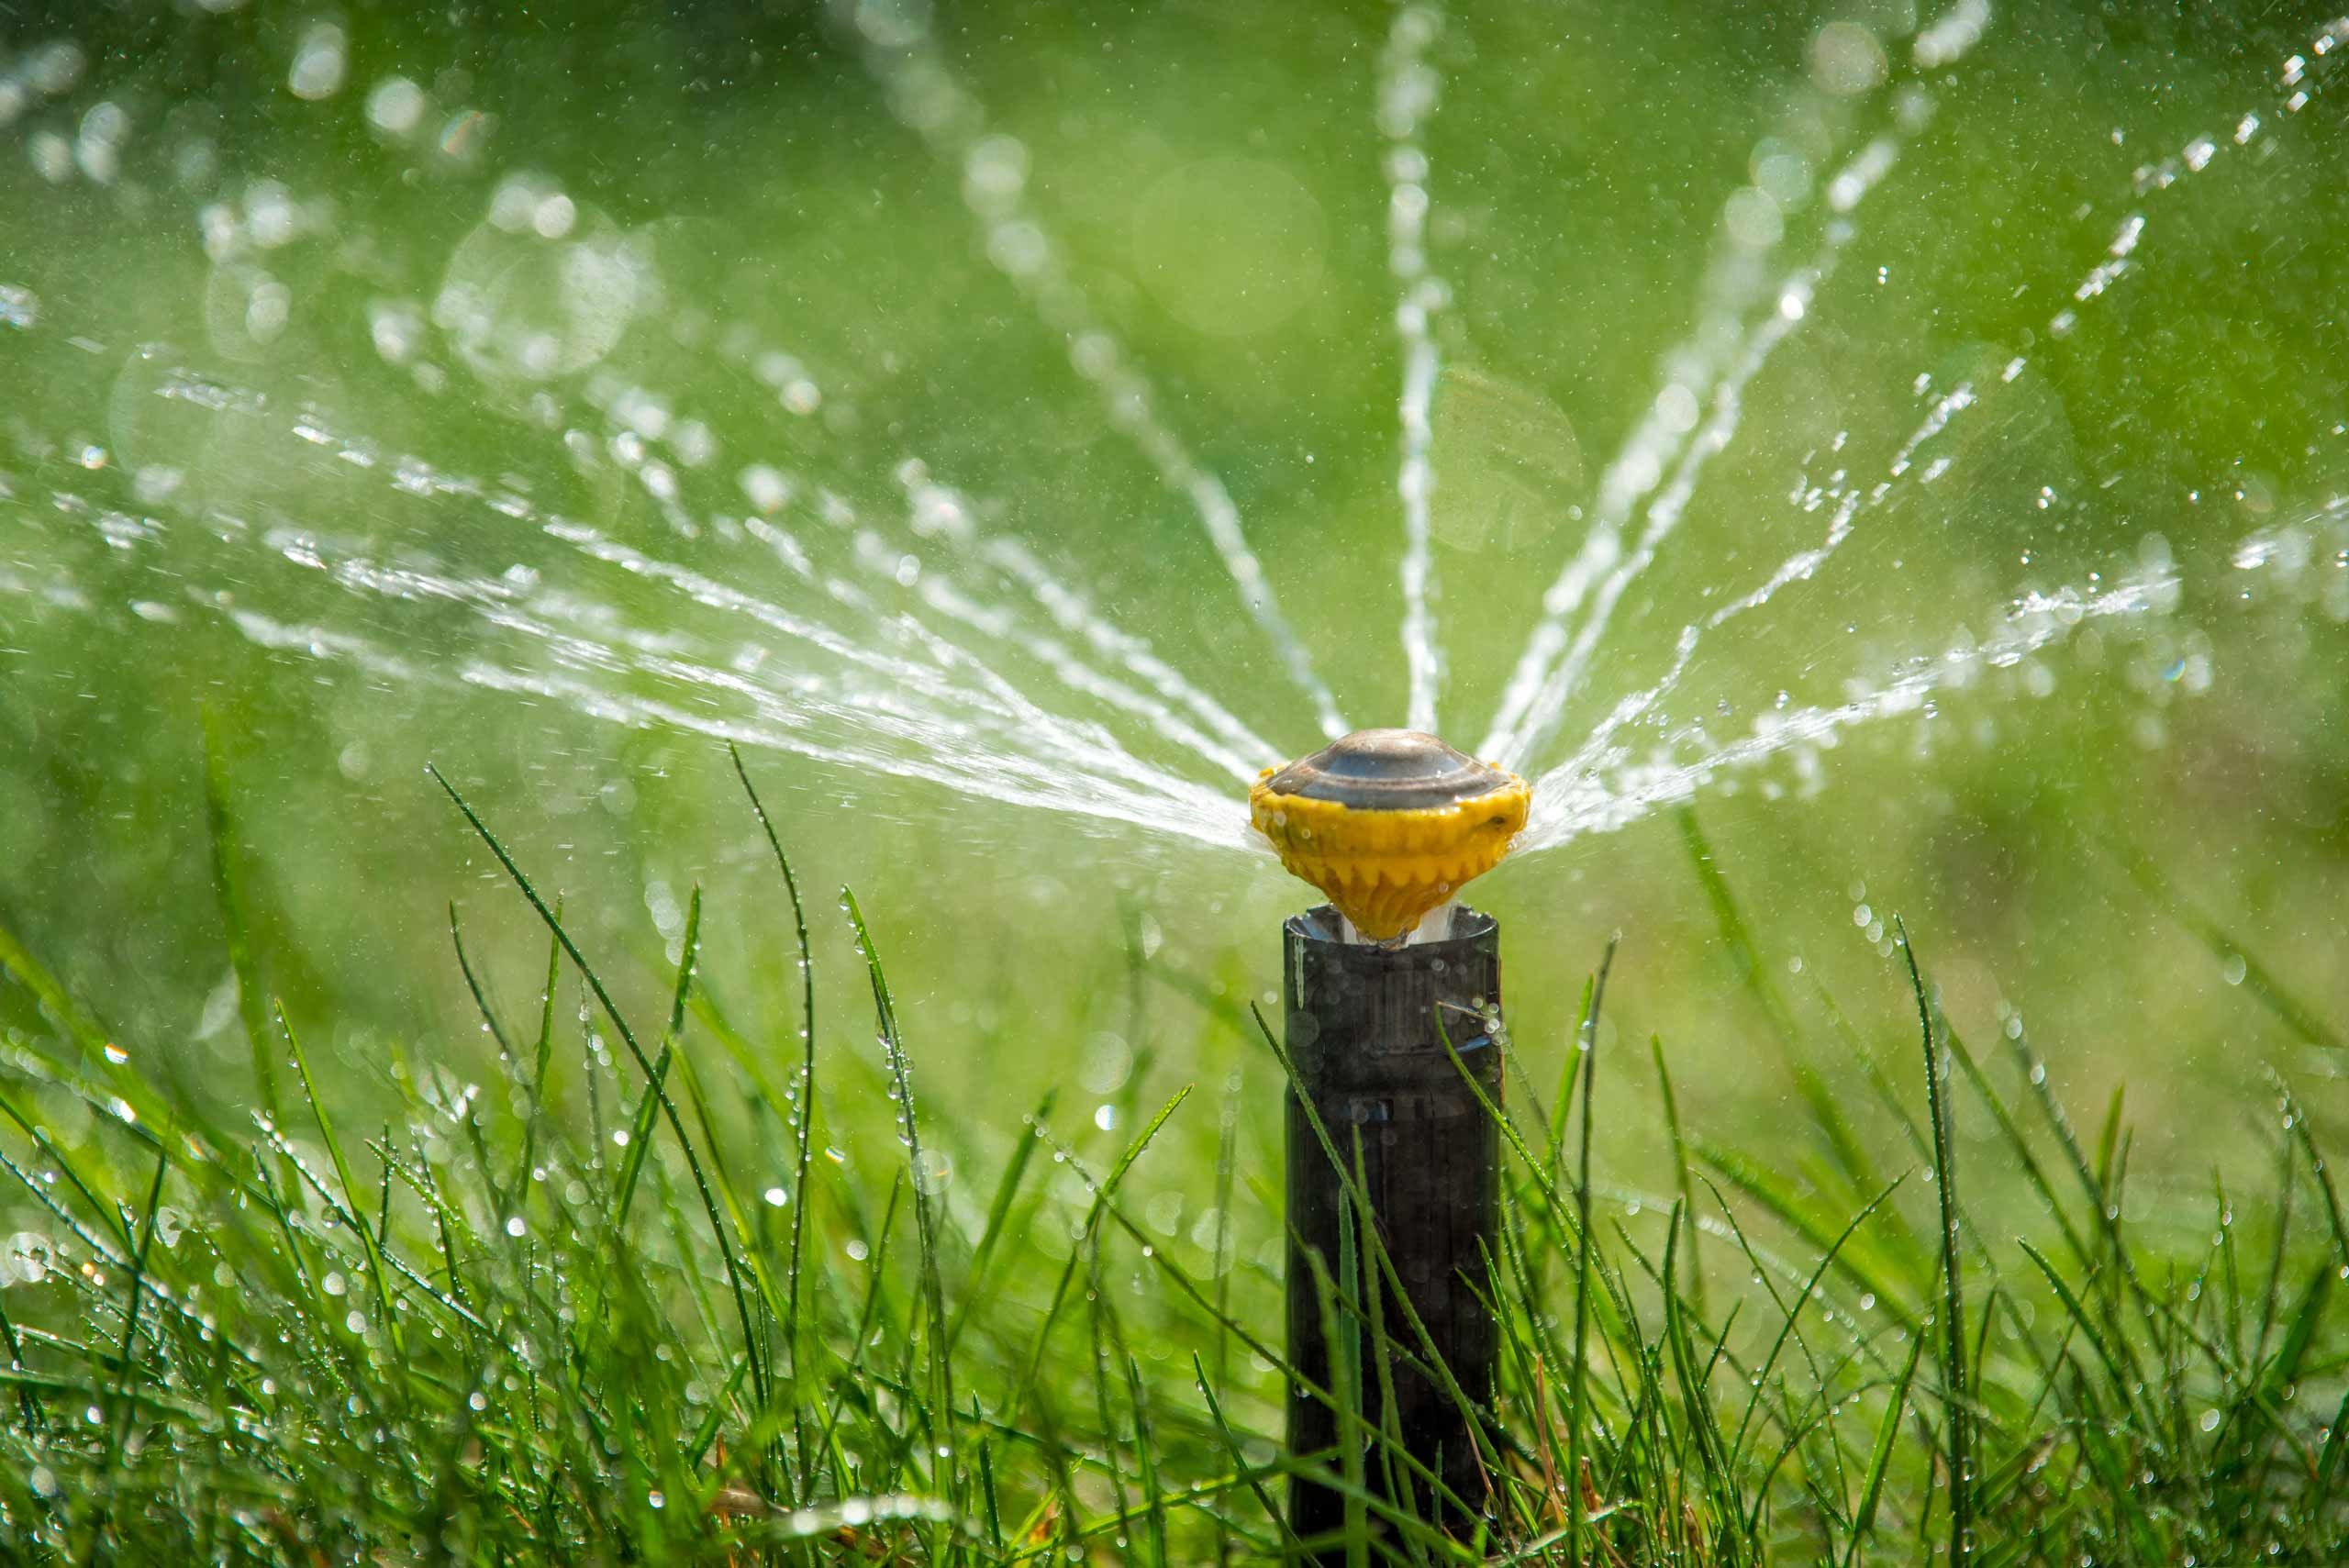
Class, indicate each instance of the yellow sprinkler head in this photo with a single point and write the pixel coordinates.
(1389, 823)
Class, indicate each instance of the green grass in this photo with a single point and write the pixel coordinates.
(673, 1294)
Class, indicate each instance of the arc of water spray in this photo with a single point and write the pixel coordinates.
(1662, 439)
(1956, 31)
(1800, 566)
(1535, 701)
(936, 510)
(1409, 90)
(945, 704)
(600, 644)
(928, 97)
(939, 508)
(1234, 747)
(1571, 801)
(1069, 748)
(1633, 707)
(932, 511)
(935, 720)
(1068, 744)
(1639, 465)
(1634, 471)
(1077, 677)
(1241, 749)
(1543, 712)
(883, 734)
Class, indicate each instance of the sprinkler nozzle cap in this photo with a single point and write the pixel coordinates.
(1388, 823)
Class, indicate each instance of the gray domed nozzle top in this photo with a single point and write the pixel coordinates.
(1388, 769)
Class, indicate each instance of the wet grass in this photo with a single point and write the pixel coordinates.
(639, 1298)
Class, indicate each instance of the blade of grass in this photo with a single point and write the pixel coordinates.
(542, 1055)
(1683, 1181)
(1373, 1316)
(1232, 1446)
(473, 985)
(1696, 1396)
(1563, 1104)
(1578, 1404)
(649, 1106)
(74, 1178)
(375, 1271)
(121, 1411)
(2122, 1374)
(803, 1102)
(1887, 1434)
(1102, 1323)
(1345, 1382)
(1957, 1401)
(885, 1008)
(498, 1201)
(228, 887)
(1226, 1162)
(2297, 1122)
(1101, 1205)
(1814, 1224)
(1146, 1444)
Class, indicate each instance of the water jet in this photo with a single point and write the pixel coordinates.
(1392, 1004)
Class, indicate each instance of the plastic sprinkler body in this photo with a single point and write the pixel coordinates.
(1393, 1162)
(1389, 823)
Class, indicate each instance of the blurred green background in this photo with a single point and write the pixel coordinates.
(238, 242)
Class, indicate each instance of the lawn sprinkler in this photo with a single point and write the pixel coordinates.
(1379, 981)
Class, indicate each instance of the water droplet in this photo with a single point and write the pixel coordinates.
(318, 64)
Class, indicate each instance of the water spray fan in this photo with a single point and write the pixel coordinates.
(1389, 824)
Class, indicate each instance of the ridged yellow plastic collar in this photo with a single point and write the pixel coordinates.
(1385, 867)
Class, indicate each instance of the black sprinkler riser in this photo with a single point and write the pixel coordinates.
(1362, 1029)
